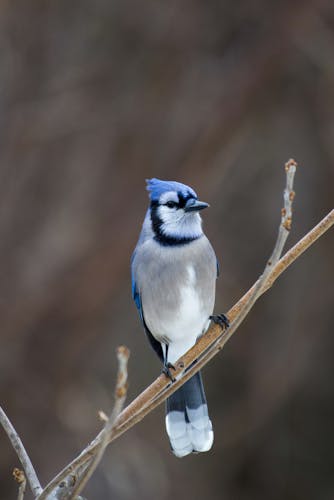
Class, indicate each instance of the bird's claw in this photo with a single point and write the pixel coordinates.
(221, 320)
(167, 371)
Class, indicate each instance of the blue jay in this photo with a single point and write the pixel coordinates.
(174, 270)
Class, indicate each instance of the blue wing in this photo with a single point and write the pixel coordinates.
(135, 292)
(218, 269)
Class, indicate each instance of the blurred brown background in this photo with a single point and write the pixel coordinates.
(94, 98)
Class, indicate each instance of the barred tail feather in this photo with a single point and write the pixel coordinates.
(187, 421)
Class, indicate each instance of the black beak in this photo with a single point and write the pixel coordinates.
(193, 205)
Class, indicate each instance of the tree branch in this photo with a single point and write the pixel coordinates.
(211, 343)
(17, 444)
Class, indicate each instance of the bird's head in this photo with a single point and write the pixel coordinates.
(174, 212)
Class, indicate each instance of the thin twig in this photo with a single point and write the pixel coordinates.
(212, 342)
(17, 444)
(260, 285)
(22, 482)
(22, 490)
(123, 354)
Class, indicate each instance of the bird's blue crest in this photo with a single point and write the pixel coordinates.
(156, 188)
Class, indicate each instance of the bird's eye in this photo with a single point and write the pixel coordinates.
(171, 204)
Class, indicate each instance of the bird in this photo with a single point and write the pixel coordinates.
(174, 270)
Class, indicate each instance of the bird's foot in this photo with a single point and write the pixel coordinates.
(221, 320)
(167, 371)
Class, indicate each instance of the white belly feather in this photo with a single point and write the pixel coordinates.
(182, 328)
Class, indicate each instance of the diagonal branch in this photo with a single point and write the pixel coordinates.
(17, 444)
(212, 342)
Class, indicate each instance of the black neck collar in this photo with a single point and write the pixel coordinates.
(171, 241)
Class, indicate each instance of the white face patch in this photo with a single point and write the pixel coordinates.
(177, 223)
